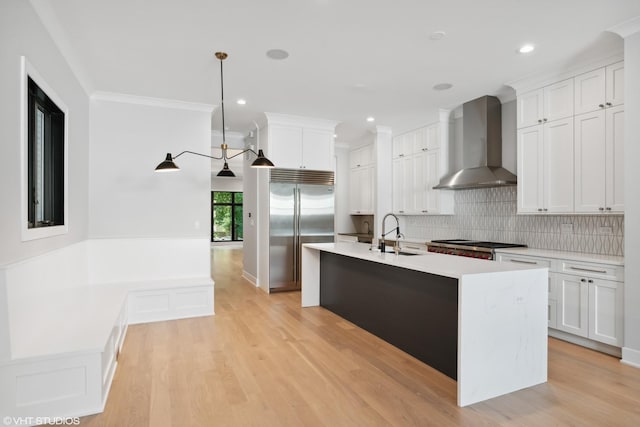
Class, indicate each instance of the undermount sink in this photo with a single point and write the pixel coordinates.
(403, 253)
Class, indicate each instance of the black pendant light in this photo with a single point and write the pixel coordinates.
(260, 162)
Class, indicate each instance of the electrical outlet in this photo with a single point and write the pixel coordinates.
(606, 229)
(566, 228)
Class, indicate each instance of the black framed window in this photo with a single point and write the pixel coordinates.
(226, 216)
(45, 174)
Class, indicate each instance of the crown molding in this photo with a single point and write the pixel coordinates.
(151, 102)
(627, 28)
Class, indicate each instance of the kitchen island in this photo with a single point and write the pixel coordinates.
(480, 322)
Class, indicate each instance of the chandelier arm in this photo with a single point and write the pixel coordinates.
(197, 154)
(242, 152)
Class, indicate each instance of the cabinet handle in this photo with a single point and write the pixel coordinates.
(544, 120)
(545, 209)
(401, 155)
(539, 209)
(539, 120)
(425, 149)
(590, 280)
(401, 211)
(424, 211)
(600, 209)
(357, 166)
(583, 280)
(518, 261)
(608, 104)
(608, 209)
(601, 105)
(588, 269)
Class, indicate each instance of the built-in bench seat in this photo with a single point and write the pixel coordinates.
(63, 336)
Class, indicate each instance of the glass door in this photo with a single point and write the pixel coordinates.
(226, 216)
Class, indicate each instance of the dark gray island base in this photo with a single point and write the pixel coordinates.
(415, 311)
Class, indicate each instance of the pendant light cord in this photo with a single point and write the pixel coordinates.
(224, 141)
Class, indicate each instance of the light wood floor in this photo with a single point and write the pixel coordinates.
(264, 361)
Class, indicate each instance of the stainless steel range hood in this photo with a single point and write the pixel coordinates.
(481, 148)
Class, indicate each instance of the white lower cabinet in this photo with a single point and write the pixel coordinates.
(585, 299)
(605, 311)
(573, 304)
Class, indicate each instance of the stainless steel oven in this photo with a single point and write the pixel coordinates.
(469, 248)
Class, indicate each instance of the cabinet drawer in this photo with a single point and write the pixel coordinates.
(601, 271)
(520, 259)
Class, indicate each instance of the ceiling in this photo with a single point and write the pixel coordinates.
(347, 59)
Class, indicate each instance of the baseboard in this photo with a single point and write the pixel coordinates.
(250, 278)
(585, 342)
(630, 357)
(170, 304)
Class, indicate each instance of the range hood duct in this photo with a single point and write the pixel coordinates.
(481, 148)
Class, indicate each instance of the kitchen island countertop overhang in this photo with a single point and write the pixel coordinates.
(501, 312)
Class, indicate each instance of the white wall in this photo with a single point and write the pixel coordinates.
(129, 137)
(226, 184)
(22, 33)
(631, 349)
(250, 221)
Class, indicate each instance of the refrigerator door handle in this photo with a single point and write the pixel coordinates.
(298, 236)
(295, 235)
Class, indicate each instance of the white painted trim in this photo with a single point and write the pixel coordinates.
(28, 70)
(537, 81)
(151, 102)
(306, 122)
(250, 278)
(630, 357)
(627, 28)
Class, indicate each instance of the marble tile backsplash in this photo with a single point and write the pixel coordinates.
(490, 214)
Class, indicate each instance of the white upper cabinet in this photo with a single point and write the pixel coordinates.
(572, 159)
(362, 156)
(300, 143)
(547, 104)
(614, 158)
(599, 89)
(419, 161)
(615, 84)
(545, 168)
(599, 161)
(362, 185)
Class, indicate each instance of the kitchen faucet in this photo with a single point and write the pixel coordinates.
(397, 229)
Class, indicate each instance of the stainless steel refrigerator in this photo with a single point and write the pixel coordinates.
(301, 210)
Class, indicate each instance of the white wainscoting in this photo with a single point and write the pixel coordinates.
(64, 316)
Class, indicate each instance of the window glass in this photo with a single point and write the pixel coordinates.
(45, 180)
(226, 216)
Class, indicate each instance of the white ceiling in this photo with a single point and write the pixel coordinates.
(349, 59)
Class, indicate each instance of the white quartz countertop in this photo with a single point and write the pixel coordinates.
(440, 264)
(572, 256)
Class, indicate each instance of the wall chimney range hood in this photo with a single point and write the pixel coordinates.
(481, 148)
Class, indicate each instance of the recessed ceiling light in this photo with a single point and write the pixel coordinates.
(437, 35)
(277, 54)
(370, 119)
(527, 48)
(241, 101)
(442, 86)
